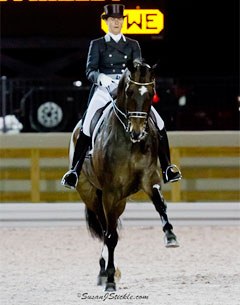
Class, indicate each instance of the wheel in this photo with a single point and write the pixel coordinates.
(49, 114)
(47, 109)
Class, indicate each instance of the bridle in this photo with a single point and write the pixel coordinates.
(141, 84)
(138, 114)
(132, 114)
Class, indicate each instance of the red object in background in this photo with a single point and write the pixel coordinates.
(156, 98)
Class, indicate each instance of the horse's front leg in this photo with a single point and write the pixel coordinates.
(102, 276)
(110, 240)
(161, 207)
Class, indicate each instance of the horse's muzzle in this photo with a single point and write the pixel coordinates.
(137, 136)
(137, 125)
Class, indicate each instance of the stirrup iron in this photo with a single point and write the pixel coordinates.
(170, 175)
(70, 179)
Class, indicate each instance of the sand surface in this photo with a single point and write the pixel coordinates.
(48, 266)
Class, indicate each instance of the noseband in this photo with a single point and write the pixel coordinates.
(132, 114)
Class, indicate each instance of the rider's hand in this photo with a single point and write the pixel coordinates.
(104, 80)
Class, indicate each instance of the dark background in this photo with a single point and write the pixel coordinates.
(197, 52)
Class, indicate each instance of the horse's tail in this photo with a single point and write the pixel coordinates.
(94, 225)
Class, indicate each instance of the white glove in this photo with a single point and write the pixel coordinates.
(104, 80)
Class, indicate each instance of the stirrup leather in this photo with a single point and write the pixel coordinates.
(70, 179)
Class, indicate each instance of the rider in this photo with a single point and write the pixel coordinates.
(106, 62)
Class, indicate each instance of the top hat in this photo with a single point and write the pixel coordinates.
(113, 10)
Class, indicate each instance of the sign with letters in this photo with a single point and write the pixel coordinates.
(145, 21)
(140, 21)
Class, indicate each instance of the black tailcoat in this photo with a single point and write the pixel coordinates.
(108, 57)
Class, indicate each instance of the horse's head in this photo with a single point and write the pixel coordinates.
(135, 93)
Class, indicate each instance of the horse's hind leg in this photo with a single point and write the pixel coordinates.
(108, 273)
(158, 201)
(95, 218)
(102, 276)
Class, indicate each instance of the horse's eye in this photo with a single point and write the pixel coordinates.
(129, 92)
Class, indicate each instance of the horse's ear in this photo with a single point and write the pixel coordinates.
(154, 70)
(137, 62)
(160, 68)
(132, 65)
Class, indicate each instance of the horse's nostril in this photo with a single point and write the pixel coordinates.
(135, 135)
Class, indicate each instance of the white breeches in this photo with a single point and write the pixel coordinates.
(100, 98)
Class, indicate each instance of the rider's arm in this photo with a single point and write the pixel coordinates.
(92, 66)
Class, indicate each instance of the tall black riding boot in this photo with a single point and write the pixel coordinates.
(170, 172)
(70, 179)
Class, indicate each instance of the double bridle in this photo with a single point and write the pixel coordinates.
(132, 114)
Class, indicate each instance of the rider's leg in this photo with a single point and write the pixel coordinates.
(170, 172)
(70, 179)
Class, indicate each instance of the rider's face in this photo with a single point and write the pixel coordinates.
(114, 25)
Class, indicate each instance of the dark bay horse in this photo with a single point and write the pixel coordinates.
(124, 160)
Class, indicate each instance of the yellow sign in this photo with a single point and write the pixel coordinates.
(140, 21)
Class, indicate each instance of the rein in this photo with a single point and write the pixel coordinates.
(116, 111)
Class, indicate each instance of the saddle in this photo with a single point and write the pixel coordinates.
(96, 118)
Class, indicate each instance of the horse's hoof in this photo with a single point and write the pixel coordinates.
(171, 242)
(101, 280)
(110, 287)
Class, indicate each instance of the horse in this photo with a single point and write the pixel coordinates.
(123, 161)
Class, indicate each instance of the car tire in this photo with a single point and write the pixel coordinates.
(49, 116)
